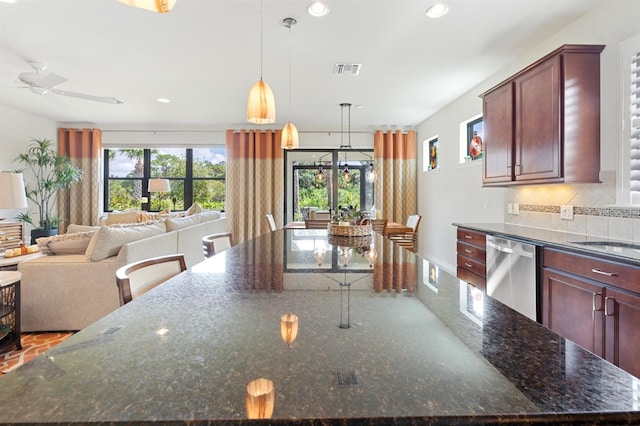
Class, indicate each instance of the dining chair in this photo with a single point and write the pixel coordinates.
(216, 243)
(408, 239)
(378, 225)
(271, 222)
(139, 277)
(316, 223)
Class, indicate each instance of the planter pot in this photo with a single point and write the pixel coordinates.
(37, 233)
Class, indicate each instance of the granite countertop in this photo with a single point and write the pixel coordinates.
(399, 341)
(618, 250)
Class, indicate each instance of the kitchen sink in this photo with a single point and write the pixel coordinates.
(608, 244)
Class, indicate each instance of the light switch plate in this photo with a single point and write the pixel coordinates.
(510, 208)
(516, 208)
(566, 212)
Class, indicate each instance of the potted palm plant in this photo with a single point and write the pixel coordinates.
(51, 172)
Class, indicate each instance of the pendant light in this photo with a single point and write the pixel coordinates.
(261, 106)
(346, 174)
(290, 138)
(320, 177)
(160, 6)
(371, 175)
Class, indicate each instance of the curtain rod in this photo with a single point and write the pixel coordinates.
(223, 131)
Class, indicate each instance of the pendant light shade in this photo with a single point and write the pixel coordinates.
(261, 107)
(346, 174)
(290, 138)
(371, 175)
(320, 176)
(159, 6)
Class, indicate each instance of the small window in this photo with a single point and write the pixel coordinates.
(432, 153)
(471, 139)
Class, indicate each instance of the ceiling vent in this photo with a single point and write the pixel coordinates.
(347, 69)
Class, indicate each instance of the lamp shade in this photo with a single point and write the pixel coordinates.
(12, 194)
(261, 106)
(160, 6)
(159, 185)
(290, 138)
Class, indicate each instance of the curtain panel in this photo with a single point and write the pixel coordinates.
(255, 181)
(396, 163)
(80, 204)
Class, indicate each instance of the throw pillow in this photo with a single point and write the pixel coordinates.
(173, 224)
(195, 208)
(73, 228)
(209, 215)
(69, 243)
(108, 241)
(122, 217)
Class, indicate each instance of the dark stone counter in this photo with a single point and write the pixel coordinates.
(398, 342)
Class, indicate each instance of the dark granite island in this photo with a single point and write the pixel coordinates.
(398, 342)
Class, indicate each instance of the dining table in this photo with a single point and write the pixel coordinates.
(382, 336)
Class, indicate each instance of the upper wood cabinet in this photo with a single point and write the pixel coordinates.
(542, 125)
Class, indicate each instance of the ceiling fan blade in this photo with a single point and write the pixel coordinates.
(104, 99)
(49, 81)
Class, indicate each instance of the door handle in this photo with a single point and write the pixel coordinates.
(609, 312)
(601, 272)
(595, 305)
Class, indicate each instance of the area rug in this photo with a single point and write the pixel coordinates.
(33, 344)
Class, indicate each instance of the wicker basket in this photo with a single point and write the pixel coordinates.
(349, 231)
(336, 240)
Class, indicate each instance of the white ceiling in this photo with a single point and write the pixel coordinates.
(205, 55)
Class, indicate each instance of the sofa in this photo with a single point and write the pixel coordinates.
(74, 284)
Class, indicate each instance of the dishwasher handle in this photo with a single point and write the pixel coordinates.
(510, 250)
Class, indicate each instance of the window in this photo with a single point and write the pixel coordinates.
(308, 191)
(630, 136)
(195, 175)
(430, 158)
(471, 139)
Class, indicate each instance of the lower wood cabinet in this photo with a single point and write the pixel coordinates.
(472, 257)
(594, 303)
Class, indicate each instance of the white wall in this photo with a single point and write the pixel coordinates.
(16, 131)
(454, 194)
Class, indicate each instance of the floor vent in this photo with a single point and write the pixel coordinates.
(346, 378)
(347, 69)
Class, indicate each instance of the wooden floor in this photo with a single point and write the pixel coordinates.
(33, 344)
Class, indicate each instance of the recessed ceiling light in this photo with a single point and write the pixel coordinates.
(318, 8)
(163, 100)
(9, 1)
(437, 10)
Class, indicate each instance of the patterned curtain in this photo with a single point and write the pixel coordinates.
(396, 188)
(80, 204)
(255, 181)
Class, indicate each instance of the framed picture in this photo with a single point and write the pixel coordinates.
(474, 139)
(433, 154)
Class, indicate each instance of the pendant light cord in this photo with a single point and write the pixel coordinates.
(261, 36)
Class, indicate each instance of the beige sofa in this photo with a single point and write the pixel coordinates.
(67, 291)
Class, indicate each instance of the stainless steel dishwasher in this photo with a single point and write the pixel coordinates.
(512, 274)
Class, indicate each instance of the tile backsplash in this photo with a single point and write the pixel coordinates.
(593, 214)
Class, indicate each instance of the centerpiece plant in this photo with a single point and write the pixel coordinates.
(51, 172)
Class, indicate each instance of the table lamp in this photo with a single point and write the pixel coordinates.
(12, 193)
(159, 185)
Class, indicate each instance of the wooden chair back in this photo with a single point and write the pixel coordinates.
(316, 223)
(139, 277)
(378, 225)
(215, 243)
(271, 222)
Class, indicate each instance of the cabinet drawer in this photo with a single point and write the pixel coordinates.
(613, 273)
(471, 278)
(471, 237)
(473, 252)
(472, 265)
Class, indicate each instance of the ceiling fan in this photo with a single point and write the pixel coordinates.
(42, 84)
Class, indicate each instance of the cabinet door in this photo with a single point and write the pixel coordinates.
(622, 316)
(497, 108)
(573, 308)
(537, 122)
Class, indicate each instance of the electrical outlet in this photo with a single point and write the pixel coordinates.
(566, 212)
(510, 208)
(516, 208)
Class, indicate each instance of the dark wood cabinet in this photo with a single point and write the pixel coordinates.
(472, 257)
(542, 125)
(594, 303)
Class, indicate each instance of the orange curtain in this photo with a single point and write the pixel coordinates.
(80, 204)
(255, 181)
(397, 186)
